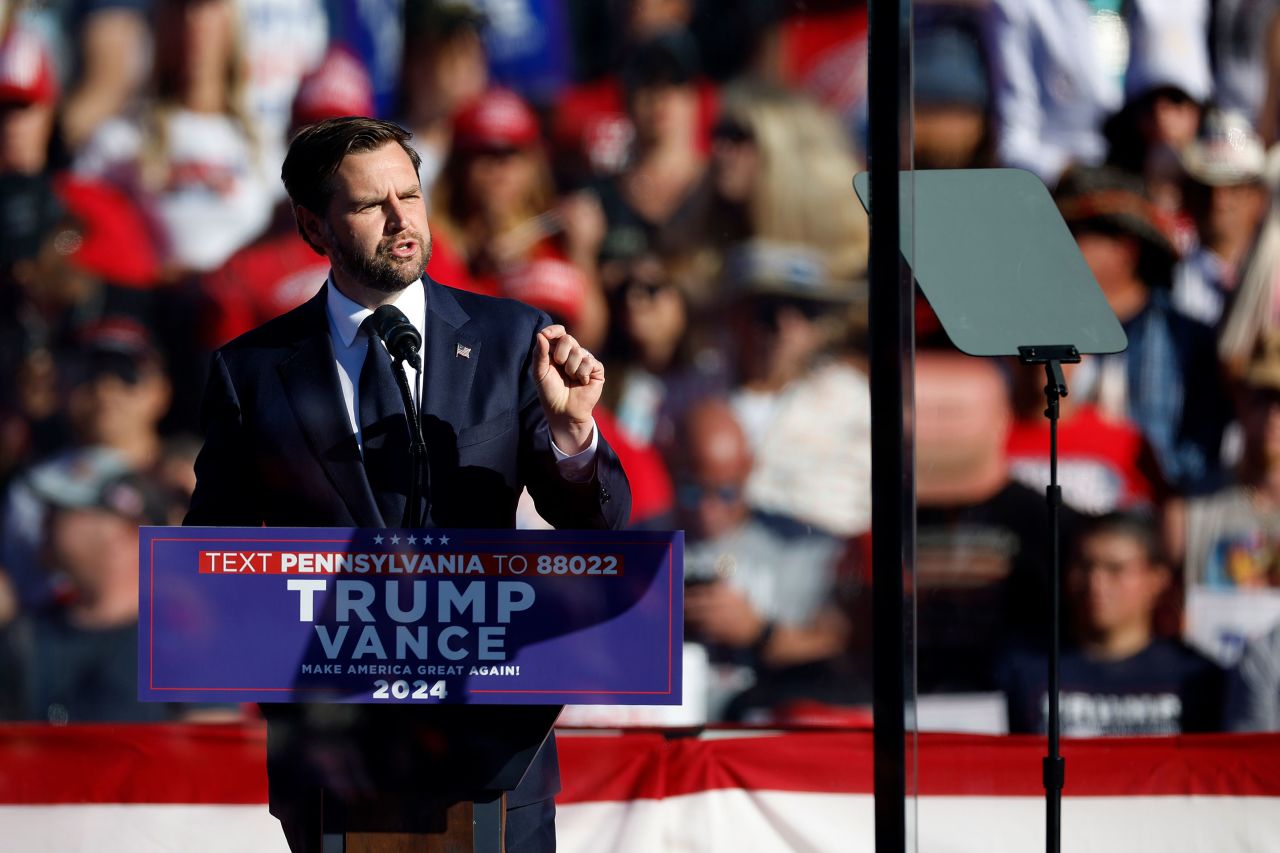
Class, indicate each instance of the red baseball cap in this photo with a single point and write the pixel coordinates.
(497, 119)
(554, 286)
(120, 335)
(26, 70)
(115, 242)
(338, 86)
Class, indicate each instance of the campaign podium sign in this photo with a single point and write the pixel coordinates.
(410, 616)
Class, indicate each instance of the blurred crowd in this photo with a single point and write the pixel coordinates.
(671, 179)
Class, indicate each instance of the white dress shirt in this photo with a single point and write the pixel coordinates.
(350, 347)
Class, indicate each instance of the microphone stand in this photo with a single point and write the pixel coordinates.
(417, 449)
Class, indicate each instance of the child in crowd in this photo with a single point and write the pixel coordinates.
(1120, 673)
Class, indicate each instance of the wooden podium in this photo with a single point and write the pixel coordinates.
(467, 826)
(476, 755)
(407, 689)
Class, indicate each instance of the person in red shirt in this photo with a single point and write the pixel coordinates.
(1104, 463)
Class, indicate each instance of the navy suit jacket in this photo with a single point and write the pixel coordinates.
(279, 451)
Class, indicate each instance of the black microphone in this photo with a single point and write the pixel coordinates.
(401, 338)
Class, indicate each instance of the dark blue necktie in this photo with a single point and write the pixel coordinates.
(384, 431)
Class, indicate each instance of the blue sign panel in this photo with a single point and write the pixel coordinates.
(424, 616)
(528, 46)
(373, 30)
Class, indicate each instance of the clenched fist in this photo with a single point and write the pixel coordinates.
(570, 380)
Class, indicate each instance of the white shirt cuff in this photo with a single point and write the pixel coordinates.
(578, 468)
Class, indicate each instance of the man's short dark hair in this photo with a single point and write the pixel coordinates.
(317, 151)
(1134, 525)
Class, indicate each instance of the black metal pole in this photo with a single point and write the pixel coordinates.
(417, 448)
(1053, 768)
(892, 453)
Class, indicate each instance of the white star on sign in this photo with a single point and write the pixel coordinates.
(444, 540)
(428, 540)
(378, 539)
(413, 540)
(395, 540)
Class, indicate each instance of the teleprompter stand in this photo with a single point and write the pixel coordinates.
(1053, 357)
(1002, 272)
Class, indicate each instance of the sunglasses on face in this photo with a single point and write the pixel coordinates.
(1174, 96)
(646, 289)
(765, 312)
(1265, 397)
(692, 495)
(731, 132)
(502, 153)
(93, 367)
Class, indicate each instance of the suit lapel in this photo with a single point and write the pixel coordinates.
(311, 383)
(452, 353)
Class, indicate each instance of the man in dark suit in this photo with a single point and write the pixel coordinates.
(291, 439)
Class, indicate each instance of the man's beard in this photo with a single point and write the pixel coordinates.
(380, 271)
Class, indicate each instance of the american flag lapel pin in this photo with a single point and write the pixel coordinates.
(463, 352)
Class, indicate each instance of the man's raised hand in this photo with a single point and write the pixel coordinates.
(570, 380)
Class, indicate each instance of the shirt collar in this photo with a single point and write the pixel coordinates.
(346, 315)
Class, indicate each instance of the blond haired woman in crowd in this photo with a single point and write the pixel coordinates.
(190, 159)
(788, 163)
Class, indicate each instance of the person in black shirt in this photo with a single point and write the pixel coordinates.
(1118, 675)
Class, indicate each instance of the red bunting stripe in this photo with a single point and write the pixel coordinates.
(225, 764)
